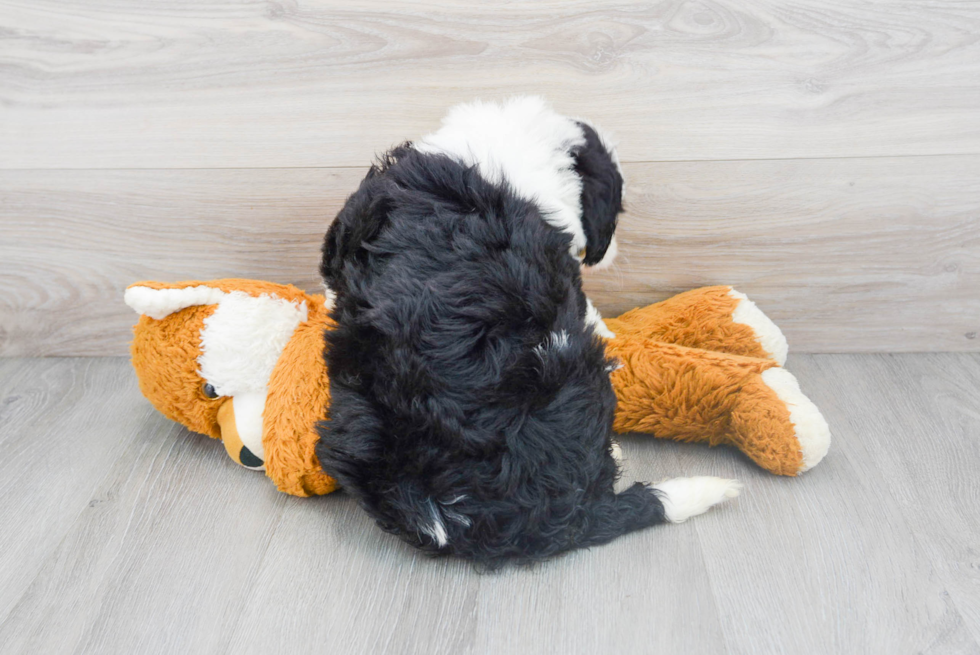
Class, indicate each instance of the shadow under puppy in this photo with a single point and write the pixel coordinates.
(471, 404)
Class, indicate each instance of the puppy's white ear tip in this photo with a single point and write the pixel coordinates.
(607, 260)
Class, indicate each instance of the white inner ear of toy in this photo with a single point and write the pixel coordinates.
(161, 303)
(525, 143)
(242, 341)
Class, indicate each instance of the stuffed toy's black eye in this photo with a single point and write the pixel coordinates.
(209, 390)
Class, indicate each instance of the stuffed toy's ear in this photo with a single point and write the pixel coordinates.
(160, 302)
(165, 348)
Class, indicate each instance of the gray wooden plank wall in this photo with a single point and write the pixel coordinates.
(125, 84)
(822, 156)
(126, 534)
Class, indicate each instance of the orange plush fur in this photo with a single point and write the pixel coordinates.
(689, 371)
(298, 399)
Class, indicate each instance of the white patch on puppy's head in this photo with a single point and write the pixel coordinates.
(566, 167)
(525, 143)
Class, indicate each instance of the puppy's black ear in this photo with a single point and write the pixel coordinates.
(331, 262)
(602, 193)
(360, 221)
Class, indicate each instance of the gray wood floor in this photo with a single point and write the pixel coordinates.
(123, 533)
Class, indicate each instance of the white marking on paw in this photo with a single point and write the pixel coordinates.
(329, 298)
(812, 430)
(686, 497)
(621, 483)
(615, 366)
(769, 336)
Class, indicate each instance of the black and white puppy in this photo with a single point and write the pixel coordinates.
(471, 409)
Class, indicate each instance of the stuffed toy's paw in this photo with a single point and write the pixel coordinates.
(777, 426)
(691, 394)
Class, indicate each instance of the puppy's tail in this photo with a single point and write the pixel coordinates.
(643, 505)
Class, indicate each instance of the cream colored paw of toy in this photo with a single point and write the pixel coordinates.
(242, 361)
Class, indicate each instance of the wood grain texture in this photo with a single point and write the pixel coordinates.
(70, 242)
(122, 83)
(170, 547)
(845, 255)
(920, 455)
(62, 425)
(95, 574)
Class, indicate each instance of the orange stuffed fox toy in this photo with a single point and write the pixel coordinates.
(242, 361)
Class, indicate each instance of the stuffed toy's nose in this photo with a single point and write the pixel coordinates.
(230, 437)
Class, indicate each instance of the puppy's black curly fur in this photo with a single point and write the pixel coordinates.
(471, 408)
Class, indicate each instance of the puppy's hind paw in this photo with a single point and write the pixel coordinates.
(683, 498)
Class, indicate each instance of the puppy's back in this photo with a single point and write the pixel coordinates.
(471, 408)
(461, 365)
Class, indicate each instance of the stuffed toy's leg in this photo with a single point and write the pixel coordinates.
(712, 318)
(690, 394)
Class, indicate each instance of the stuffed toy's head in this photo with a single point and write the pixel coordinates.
(204, 354)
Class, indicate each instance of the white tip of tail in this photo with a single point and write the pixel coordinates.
(686, 497)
